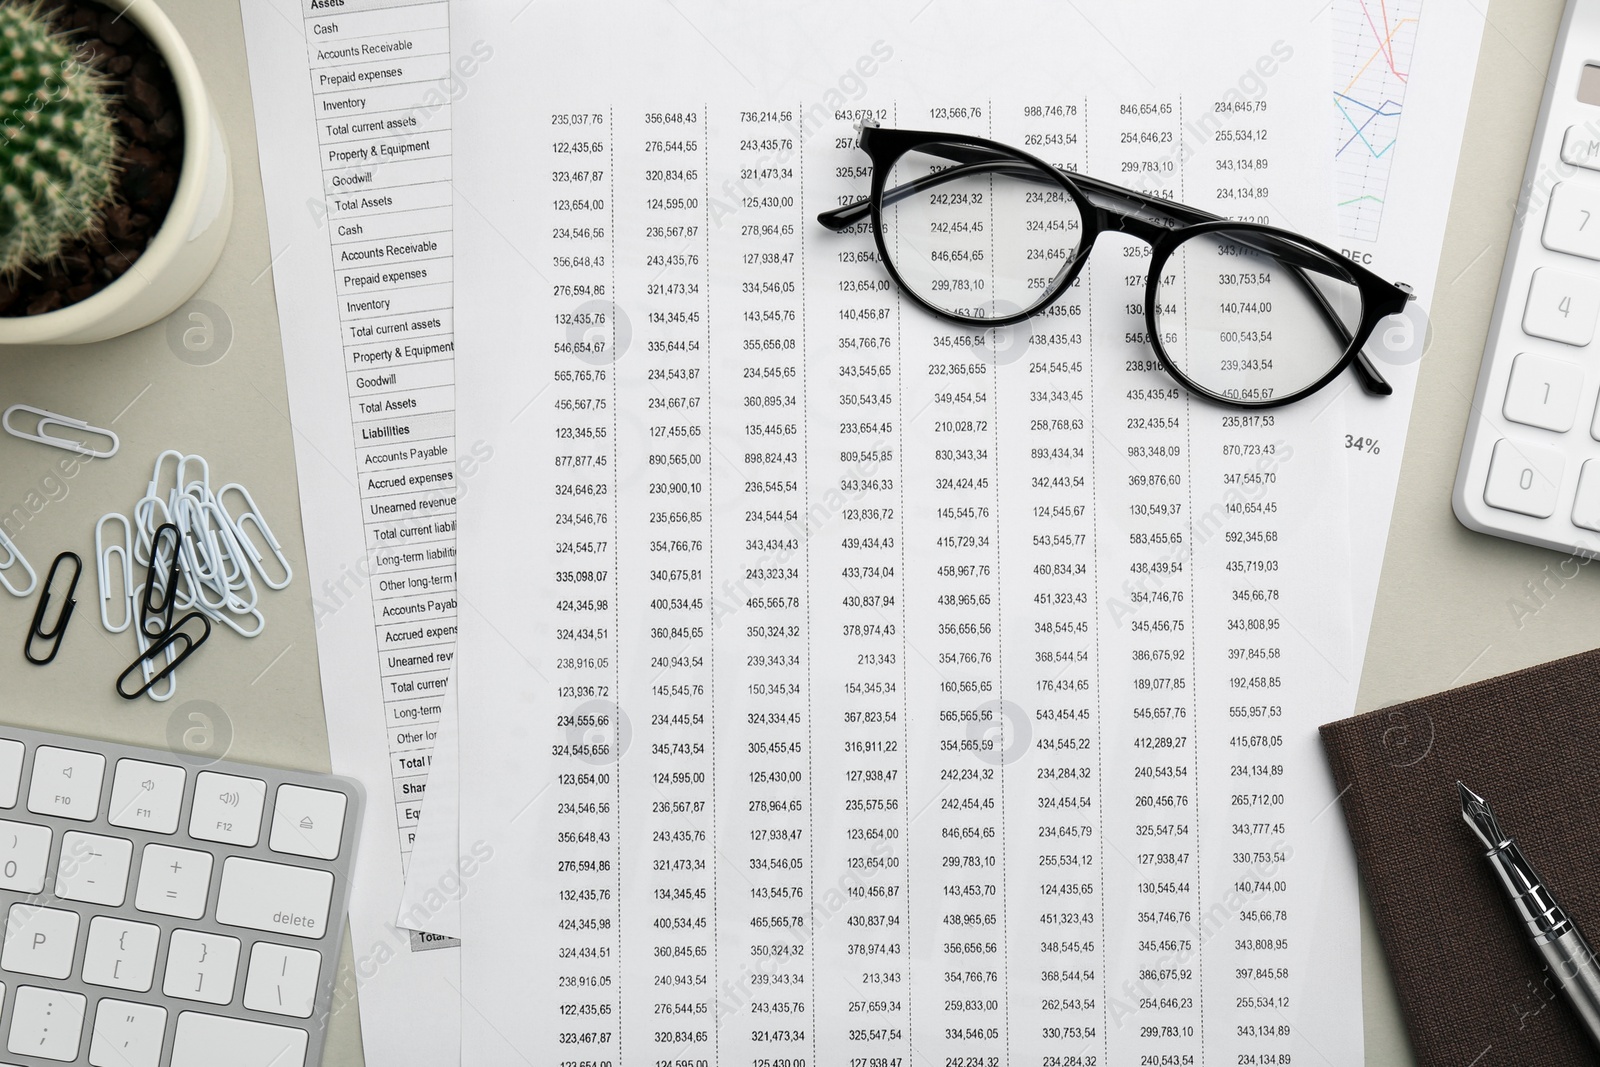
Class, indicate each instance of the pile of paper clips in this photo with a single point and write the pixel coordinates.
(198, 556)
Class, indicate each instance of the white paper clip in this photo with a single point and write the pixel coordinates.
(9, 557)
(103, 554)
(254, 517)
(47, 419)
(154, 488)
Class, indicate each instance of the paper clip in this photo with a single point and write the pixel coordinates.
(103, 554)
(149, 610)
(145, 525)
(59, 630)
(144, 644)
(174, 638)
(253, 515)
(155, 475)
(10, 558)
(227, 619)
(185, 485)
(47, 419)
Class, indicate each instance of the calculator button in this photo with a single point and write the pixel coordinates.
(1543, 392)
(39, 941)
(93, 868)
(24, 856)
(173, 881)
(146, 796)
(282, 980)
(307, 822)
(227, 808)
(121, 953)
(10, 772)
(46, 1023)
(1570, 222)
(201, 966)
(1562, 306)
(1581, 148)
(127, 1035)
(66, 782)
(274, 896)
(1524, 478)
(206, 1040)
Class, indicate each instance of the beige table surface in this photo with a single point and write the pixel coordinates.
(1444, 611)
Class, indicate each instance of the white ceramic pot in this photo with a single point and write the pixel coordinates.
(187, 246)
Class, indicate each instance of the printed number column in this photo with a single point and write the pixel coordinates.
(379, 89)
(1051, 715)
(1245, 925)
(1146, 634)
(958, 817)
(855, 526)
(581, 845)
(765, 1002)
(665, 592)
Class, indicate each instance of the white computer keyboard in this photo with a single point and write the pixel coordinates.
(1530, 465)
(164, 911)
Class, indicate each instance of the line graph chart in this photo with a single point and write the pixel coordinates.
(1373, 41)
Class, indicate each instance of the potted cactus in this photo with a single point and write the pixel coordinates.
(115, 195)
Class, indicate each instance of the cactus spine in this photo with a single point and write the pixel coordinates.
(57, 140)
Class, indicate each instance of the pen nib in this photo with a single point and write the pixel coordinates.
(1477, 814)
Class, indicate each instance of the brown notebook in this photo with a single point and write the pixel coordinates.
(1472, 989)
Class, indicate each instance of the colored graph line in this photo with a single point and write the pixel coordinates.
(1361, 128)
(1385, 45)
(1358, 199)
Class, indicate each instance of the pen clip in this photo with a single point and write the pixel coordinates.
(175, 637)
(54, 635)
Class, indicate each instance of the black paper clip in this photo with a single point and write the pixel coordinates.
(149, 610)
(54, 635)
(174, 635)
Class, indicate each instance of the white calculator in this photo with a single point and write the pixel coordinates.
(1530, 465)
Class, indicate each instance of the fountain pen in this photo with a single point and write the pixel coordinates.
(1558, 940)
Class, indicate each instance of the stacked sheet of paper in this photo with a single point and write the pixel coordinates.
(839, 683)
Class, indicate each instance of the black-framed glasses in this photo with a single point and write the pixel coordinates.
(983, 234)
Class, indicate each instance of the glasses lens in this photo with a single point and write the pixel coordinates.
(980, 240)
(1254, 317)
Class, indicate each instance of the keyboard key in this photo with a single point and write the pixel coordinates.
(307, 822)
(201, 966)
(146, 796)
(207, 1040)
(121, 953)
(24, 855)
(282, 980)
(1562, 306)
(1570, 224)
(46, 1023)
(173, 881)
(39, 941)
(227, 808)
(66, 782)
(10, 772)
(1524, 478)
(93, 868)
(1543, 392)
(1586, 508)
(127, 1035)
(1580, 148)
(274, 896)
